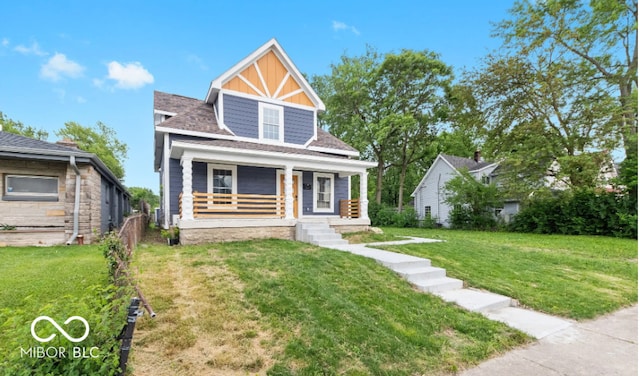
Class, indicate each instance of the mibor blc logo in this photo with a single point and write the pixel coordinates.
(62, 331)
(59, 352)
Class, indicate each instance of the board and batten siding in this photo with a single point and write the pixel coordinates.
(431, 193)
(241, 117)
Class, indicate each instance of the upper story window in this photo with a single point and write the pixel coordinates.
(271, 122)
(30, 187)
(486, 180)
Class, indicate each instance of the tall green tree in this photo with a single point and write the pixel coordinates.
(16, 127)
(387, 106)
(354, 113)
(543, 108)
(601, 36)
(412, 85)
(100, 140)
(143, 194)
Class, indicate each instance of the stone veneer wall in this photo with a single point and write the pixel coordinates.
(90, 202)
(51, 222)
(227, 234)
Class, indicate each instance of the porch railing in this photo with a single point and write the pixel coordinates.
(350, 208)
(226, 205)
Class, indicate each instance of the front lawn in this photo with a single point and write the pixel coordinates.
(58, 282)
(31, 277)
(291, 308)
(579, 277)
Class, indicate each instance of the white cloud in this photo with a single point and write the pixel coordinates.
(34, 49)
(127, 76)
(59, 66)
(81, 100)
(339, 26)
(5, 42)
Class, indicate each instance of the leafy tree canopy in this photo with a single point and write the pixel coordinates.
(143, 194)
(16, 127)
(100, 140)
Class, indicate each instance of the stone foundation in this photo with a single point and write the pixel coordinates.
(351, 228)
(227, 234)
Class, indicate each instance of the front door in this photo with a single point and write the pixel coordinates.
(295, 193)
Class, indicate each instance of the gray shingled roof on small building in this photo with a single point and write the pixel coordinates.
(13, 141)
(16, 146)
(468, 163)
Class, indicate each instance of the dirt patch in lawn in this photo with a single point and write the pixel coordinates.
(204, 326)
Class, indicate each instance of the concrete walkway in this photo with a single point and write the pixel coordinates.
(419, 272)
(606, 346)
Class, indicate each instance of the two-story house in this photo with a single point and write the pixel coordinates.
(249, 161)
(430, 194)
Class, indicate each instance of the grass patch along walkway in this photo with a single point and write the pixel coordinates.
(578, 277)
(290, 308)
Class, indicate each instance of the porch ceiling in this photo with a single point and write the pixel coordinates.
(232, 152)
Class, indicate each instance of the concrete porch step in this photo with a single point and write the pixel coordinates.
(437, 284)
(476, 300)
(329, 242)
(424, 272)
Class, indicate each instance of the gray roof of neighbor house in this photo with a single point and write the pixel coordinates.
(195, 115)
(16, 146)
(468, 163)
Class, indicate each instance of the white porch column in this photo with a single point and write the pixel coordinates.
(364, 201)
(288, 192)
(187, 190)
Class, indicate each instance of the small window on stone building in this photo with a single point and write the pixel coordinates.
(30, 188)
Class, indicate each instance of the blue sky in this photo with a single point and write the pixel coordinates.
(88, 61)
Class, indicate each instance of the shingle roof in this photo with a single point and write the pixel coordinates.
(10, 140)
(327, 140)
(460, 162)
(262, 147)
(172, 102)
(191, 114)
(196, 115)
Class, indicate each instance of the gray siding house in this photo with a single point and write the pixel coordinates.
(53, 192)
(249, 161)
(429, 196)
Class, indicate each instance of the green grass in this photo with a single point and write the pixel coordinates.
(318, 311)
(579, 277)
(31, 277)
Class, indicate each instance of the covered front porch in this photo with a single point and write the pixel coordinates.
(240, 194)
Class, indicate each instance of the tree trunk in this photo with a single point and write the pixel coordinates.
(379, 181)
(403, 174)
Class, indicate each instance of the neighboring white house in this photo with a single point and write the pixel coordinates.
(429, 196)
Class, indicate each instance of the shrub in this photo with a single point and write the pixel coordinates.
(580, 212)
(104, 307)
(384, 215)
(106, 317)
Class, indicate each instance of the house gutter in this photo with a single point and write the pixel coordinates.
(76, 207)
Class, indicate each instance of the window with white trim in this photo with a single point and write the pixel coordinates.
(427, 212)
(222, 179)
(323, 192)
(271, 122)
(30, 187)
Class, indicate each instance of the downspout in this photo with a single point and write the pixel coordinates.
(439, 219)
(76, 207)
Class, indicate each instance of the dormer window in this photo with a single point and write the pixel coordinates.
(271, 122)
